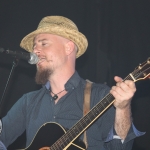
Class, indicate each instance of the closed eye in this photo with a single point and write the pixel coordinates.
(44, 44)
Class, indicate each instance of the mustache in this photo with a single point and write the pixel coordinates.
(41, 59)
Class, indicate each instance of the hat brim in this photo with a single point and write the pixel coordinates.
(77, 37)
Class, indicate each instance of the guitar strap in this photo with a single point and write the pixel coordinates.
(86, 105)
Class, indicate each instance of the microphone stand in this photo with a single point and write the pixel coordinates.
(15, 63)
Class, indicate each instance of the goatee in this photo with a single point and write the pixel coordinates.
(42, 76)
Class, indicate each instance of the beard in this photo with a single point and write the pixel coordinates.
(42, 76)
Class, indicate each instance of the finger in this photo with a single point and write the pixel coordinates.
(127, 86)
(117, 92)
(130, 84)
(123, 86)
(121, 91)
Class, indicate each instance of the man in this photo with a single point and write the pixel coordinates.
(57, 42)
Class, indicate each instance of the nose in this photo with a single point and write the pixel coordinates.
(36, 49)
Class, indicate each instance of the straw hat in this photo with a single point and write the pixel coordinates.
(57, 25)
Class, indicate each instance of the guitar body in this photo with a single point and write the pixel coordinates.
(48, 134)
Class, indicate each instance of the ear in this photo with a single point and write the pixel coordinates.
(70, 47)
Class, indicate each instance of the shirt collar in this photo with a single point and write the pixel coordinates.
(70, 84)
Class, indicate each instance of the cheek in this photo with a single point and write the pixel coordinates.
(54, 57)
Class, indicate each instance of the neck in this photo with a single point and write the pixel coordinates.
(58, 80)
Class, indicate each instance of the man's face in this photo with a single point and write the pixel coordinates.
(51, 51)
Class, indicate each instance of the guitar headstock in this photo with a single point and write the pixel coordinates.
(142, 71)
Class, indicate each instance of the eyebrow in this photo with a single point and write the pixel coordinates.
(42, 40)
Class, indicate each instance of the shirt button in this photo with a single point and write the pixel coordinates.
(54, 117)
(72, 87)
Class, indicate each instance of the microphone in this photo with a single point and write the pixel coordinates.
(32, 58)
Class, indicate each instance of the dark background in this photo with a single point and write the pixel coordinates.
(118, 32)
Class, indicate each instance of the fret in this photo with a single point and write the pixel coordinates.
(95, 111)
(106, 102)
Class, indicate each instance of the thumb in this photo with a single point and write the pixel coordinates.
(118, 79)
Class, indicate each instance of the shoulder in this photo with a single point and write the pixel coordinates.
(31, 96)
(98, 92)
(102, 89)
(37, 92)
(99, 87)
